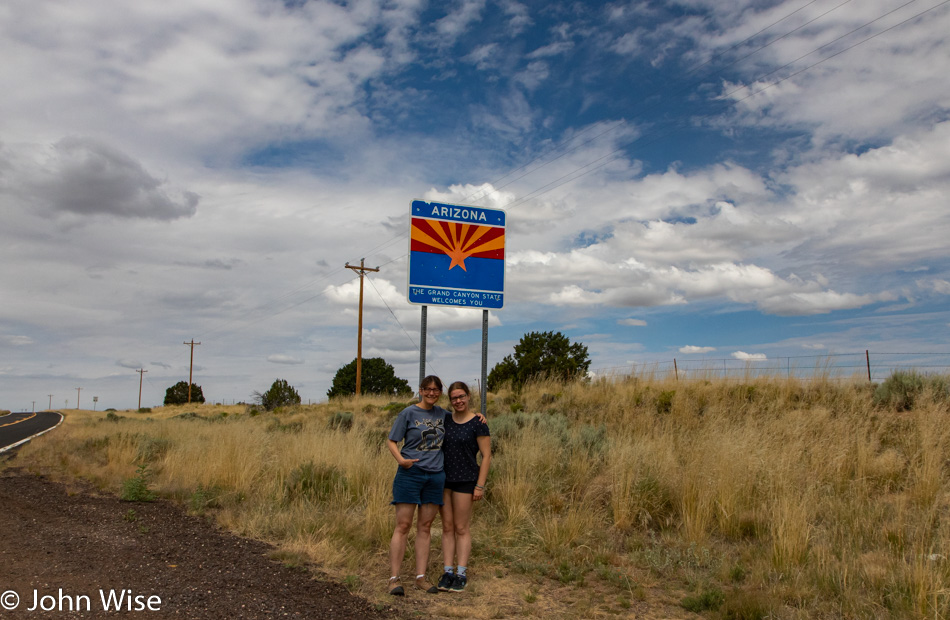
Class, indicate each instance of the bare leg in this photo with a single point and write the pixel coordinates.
(462, 516)
(397, 546)
(427, 514)
(448, 529)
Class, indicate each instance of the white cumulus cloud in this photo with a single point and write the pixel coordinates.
(695, 349)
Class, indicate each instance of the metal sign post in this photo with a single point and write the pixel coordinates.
(422, 347)
(483, 392)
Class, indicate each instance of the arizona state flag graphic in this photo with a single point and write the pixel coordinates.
(457, 255)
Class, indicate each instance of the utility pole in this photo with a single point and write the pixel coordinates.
(78, 390)
(359, 338)
(141, 372)
(190, 367)
(50, 401)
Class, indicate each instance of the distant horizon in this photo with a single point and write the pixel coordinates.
(837, 366)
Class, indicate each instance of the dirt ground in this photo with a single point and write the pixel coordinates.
(69, 546)
(65, 547)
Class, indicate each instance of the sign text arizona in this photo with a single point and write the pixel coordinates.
(459, 213)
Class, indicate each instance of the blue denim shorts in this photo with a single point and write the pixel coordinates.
(416, 486)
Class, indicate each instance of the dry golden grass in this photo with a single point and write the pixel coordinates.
(766, 497)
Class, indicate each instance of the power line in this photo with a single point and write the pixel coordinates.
(399, 323)
(614, 155)
(656, 91)
(603, 160)
(561, 147)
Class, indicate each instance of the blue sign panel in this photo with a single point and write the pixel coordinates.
(456, 255)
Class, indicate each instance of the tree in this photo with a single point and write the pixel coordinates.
(541, 354)
(280, 394)
(377, 377)
(178, 394)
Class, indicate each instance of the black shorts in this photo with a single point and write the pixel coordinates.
(461, 487)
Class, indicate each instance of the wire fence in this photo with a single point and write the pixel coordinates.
(867, 365)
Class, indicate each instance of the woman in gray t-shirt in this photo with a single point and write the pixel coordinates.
(419, 480)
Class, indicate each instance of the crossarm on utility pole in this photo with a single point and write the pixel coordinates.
(362, 269)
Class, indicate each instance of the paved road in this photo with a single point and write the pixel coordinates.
(16, 428)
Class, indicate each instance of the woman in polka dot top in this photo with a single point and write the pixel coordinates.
(466, 436)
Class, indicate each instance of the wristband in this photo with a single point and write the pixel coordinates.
(478, 486)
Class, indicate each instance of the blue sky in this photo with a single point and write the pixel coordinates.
(691, 180)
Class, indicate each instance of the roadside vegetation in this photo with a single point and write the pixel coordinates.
(642, 495)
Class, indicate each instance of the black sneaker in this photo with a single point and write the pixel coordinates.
(445, 583)
(458, 584)
(395, 588)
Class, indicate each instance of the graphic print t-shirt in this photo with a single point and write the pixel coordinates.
(422, 432)
(461, 449)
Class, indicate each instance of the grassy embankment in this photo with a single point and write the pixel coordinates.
(759, 498)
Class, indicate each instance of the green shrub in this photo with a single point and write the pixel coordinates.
(708, 600)
(656, 505)
(504, 428)
(568, 571)
(664, 401)
(376, 439)
(353, 583)
(204, 498)
(747, 605)
(395, 407)
(341, 420)
(313, 482)
(280, 394)
(179, 394)
(592, 439)
(145, 410)
(276, 426)
(112, 417)
(135, 489)
(94, 445)
(153, 448)
(900, 390)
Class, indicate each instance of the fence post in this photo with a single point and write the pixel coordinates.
(676, 372)
(867, 356)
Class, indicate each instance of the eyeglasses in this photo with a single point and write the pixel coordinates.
(455, 398)
(431, 391)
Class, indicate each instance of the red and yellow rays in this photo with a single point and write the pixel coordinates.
(458, 241)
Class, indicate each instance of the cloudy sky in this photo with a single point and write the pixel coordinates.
(697, 180)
